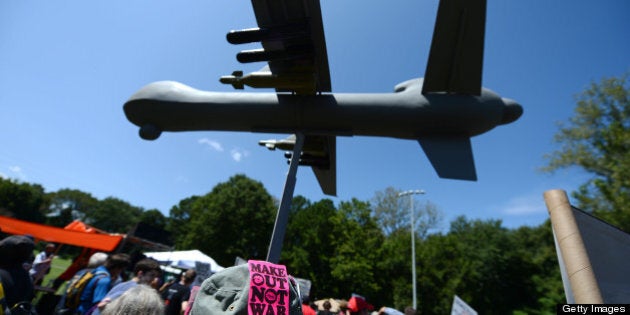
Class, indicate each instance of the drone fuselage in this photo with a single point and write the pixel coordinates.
(406, 113)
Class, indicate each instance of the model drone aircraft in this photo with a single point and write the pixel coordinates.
(441, 111)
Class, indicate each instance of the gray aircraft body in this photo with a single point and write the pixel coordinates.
(405, 114)
(441, 111)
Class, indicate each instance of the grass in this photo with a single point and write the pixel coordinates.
(57, 267)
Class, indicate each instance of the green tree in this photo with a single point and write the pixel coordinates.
(308, 244)
(67, 205)
(114, 215)
(179, 220)
(152, 226)
(536, 245)
(389, 210)
(22, 201)
(478, 261)
(235, 219)
(154, 218)
(597, 140)
(392, 212)
(396, 268)
(357, 244)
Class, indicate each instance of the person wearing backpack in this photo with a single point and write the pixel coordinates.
(101, 282)
(69, 301)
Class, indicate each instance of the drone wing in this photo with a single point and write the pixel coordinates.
(318, 152)
(293, 44)
(456, 57)
(291, 34)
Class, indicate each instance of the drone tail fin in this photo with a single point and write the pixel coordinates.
(451, 156)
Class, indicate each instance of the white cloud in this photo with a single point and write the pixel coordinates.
(525, 205)
(238, 154)
(181, 179)
(15, 172)
(212, 143)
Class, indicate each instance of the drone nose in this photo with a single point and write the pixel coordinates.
(511, 112)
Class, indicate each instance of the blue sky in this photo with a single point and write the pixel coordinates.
(67, 68)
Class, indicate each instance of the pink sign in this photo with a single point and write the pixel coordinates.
(268, 289)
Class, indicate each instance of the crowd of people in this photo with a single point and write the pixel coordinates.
(356, 305)
(106, 293)
(102, 287)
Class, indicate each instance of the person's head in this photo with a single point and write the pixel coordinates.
(49, 249)
(410, 310)
(140, 300)
(116, 263)
(147, 270)
(189, 276)
(358, 305)
(327, 305)
(97, 259)
(15, 250)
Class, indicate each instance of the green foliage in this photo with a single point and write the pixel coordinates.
(114, 215)
(67, 205)
(392, 213)
(153, 218)
(179, 220)
(597, 140)
(535, 244)
(395, 263)
(479, 261)
(357, 241)
(235, 219)
(22, 201)
(308, 244)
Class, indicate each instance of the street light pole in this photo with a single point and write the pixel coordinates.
(410, 193)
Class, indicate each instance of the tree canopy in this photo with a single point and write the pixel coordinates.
(597, 140)
(22, 200)
(234, 219)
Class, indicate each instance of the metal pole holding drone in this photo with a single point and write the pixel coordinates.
(273, 255)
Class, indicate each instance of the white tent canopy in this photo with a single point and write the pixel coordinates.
(185, 259)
